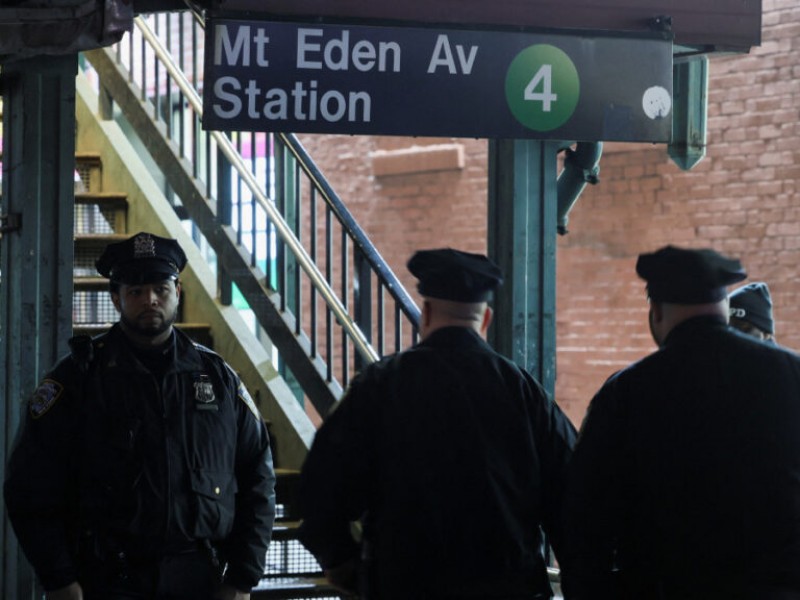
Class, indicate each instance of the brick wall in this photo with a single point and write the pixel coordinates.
(743, 199)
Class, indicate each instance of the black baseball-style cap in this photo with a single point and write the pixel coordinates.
(450, 274)
(753, 303)
(143, 258)
(688, 276)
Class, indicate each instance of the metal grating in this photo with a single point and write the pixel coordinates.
(83, 265)
(93, 308)
(83, 170)
(289, 557)
(295, 588)
(90, 218)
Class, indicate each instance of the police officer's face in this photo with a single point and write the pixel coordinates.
(148, 309)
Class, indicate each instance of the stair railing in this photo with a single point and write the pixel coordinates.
(268, 203)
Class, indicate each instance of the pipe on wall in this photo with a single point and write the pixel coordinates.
(581, 166)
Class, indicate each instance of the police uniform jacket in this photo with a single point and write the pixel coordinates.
(117, 459)
(454, 458)
(685, 480)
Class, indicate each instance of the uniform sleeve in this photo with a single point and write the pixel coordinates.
(555, 438)
(246, 547)
(38, 494)
(593, 510)
(333, 482)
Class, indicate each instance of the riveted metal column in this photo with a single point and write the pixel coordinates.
(522, 240)
(36, 251)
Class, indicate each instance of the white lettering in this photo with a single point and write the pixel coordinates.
(304, 47)
(366, 107)
(232, 53)
(363, 56)
(443, 57)
(221, 93)
(252, 91)
(303, 102)
(261, 41)
(324, 107)
(276, 105)
(299, 93)
(466, 62)
(312, 101)
(336, 54)
(385, 48)
(338, 46)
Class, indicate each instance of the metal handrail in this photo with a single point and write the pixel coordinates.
(359, 237)
(364, 348)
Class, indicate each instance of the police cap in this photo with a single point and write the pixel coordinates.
(686, 276)
(454, 275)
(753, 303)
(143, 258)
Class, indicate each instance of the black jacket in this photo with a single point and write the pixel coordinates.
(118, 457)
(454, 458)
(686, 475)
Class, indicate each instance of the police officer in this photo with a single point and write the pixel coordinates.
(142, 468)
(751, 310)
(684, 481)
(450, 455)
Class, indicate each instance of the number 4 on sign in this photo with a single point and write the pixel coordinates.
(543, 79)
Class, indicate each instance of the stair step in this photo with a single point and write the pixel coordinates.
(100, 239)
(110, 199)
(90, 284)
(97, 242)
(101, 212)
(90, 159)
(285, 530)
(293, 588)
(90, 167)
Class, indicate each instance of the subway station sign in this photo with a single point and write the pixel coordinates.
(353, 79)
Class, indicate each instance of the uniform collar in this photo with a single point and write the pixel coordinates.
(453, 336)
(183, 354)
(694, 327)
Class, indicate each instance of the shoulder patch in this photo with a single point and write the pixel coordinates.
(245, 396)
(44, 397)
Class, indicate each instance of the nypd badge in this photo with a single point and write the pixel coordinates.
(144, 246)
(204, 393)
(44, 397)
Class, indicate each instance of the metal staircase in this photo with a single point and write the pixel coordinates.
(280, 240)
(275, 228)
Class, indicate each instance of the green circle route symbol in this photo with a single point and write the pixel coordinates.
(542, 87)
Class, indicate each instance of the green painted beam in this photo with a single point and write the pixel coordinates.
(522, 240)
(36, 258)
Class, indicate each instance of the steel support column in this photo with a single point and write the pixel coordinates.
(36, 257)
(522, 240)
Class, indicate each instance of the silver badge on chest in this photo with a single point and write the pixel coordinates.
(204, 393)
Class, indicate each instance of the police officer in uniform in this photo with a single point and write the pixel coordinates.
(751, 310)
(450, 455)
(142, 469)
(684, 481)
